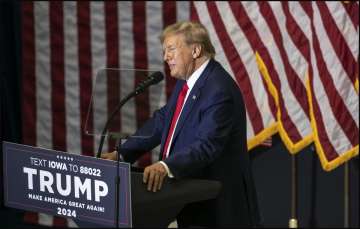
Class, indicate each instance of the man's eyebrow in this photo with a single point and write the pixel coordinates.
(169, 46)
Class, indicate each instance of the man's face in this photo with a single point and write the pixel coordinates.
(178, 55)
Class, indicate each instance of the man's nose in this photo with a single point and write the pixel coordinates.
(166, 56)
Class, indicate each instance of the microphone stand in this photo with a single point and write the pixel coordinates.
(117, 190)
(158, 77)
(103, 133)
(137, 91)
(117, 182)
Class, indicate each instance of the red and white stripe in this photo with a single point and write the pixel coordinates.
(248, 27)
(335, 101)
(68, 45)
(72, 86)
(282, 34)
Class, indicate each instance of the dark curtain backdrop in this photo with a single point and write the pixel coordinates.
(10, 78)
(320, 194)
(320, 201)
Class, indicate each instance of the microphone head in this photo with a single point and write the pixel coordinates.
(156, 77)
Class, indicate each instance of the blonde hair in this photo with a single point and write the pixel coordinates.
(194, 33)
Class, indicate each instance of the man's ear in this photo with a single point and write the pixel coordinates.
(196, 51)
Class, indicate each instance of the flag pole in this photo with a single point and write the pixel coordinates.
(346, 195)
(293, 220)
(312, 219)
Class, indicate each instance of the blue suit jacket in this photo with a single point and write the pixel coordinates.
(209, 143)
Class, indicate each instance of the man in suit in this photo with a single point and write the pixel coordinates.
(202, 132)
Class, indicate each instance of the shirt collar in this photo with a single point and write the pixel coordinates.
(195, 76)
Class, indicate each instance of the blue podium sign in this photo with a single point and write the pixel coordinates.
(67, 185)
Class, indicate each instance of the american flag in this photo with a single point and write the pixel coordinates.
(296, 64)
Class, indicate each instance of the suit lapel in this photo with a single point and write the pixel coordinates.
(193, 97)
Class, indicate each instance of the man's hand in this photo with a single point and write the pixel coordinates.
(154, 176)
(109, 156)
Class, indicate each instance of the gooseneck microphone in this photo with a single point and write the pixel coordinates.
(154, 78)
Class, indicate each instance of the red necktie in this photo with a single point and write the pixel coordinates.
(179, 104)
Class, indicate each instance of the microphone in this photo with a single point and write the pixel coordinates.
(154, 78)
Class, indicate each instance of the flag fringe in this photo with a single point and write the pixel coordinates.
(292, 147)
(262, 136)
(326, 164)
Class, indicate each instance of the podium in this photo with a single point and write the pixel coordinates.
(159, 209)
(47, 182)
